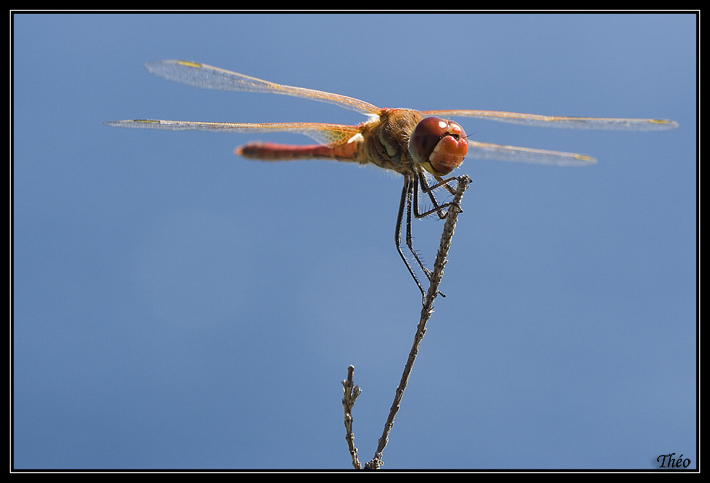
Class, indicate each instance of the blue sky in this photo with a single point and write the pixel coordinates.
(176, 306)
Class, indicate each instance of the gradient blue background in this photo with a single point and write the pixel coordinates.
(176, 306)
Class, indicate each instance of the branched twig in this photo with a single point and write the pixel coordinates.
(427, 310)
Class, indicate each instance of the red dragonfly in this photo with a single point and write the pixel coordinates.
(412, 143)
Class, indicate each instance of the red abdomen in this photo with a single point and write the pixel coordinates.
(285, 152)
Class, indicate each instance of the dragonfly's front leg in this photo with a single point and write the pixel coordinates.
(429, 190)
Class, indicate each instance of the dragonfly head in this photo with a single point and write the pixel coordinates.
(438, 145)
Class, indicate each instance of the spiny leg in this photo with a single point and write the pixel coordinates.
(411, 187)
(429, 190)
(445, 183)
(406, 200)
(414, 192)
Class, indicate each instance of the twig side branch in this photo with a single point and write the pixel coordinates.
(350, 394)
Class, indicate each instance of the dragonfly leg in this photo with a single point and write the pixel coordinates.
(413, 192)
(411, 188)
(429, 190)
(442, 182)
(405, 200)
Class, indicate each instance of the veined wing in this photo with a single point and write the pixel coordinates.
(564, 122)
(208, 77)
(326, 134)
(526, 155)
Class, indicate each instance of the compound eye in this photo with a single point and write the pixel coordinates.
(438, 144)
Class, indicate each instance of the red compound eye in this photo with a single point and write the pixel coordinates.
(438, 144)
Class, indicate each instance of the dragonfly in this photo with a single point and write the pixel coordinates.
(416, 144)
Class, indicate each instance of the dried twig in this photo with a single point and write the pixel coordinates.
(350, 394)
(427, 310)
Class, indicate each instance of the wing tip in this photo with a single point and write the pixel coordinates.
(153, 66)
(117, 123)
(663, 124)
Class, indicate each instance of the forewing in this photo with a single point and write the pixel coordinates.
(208, 77)
(562, 122)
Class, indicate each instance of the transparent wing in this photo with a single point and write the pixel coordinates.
(208, 77)
(327, 134)
(564, 122)
(526, 155)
